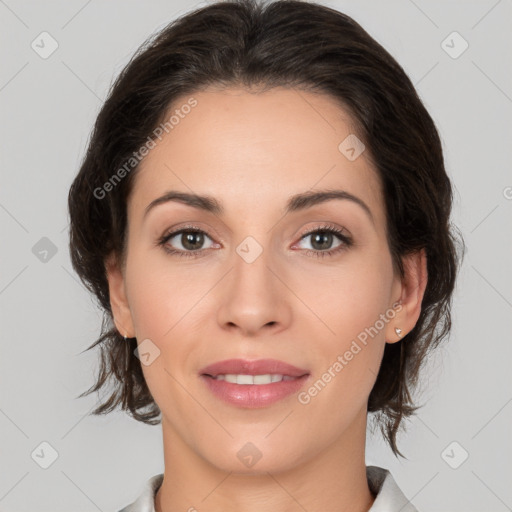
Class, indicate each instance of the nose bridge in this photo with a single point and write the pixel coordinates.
(251, 267)
(253, 296)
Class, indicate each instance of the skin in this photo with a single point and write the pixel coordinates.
(252, 151)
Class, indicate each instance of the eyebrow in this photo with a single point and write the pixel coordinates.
(295, 203)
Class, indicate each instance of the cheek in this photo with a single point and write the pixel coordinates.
(149, 304)
(350, 340)
(349, 298)
(350, 331)
(160, 293)
(163, 302)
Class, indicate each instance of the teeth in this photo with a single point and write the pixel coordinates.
(253, 379)
(244, 379)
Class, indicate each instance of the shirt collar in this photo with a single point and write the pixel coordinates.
(389, 497)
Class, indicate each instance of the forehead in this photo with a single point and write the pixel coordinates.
(253, 150)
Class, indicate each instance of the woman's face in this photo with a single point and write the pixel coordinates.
(249, 283)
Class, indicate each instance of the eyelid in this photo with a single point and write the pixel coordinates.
(173, 230)
(341, 233)
(209, 231)
(325, 225)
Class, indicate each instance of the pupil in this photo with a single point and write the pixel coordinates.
(322, 240)
(192, 240)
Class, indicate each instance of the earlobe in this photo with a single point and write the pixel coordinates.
(413, 286)
(118, 300)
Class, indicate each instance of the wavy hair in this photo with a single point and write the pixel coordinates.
(290, 43)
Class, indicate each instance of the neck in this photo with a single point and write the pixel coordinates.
(332, 480)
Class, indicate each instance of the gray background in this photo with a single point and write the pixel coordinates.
(48, 107)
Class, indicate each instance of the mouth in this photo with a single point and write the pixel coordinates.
(258, 380)
(253, 384)
(258, 368)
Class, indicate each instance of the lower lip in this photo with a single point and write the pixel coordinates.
(252, 396)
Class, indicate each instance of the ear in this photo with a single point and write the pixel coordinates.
(411, 289)
(118, 300)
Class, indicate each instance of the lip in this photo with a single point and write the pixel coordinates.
(253, 396)
(258, 367)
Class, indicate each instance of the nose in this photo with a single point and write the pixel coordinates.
(254, 298)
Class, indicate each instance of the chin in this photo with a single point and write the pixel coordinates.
(255, 457)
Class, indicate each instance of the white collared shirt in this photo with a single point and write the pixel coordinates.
(389, 497)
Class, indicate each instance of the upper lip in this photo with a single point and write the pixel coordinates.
(258, 367)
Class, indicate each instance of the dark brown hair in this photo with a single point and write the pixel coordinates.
(286, 43)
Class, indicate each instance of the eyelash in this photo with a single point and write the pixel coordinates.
(346, 241)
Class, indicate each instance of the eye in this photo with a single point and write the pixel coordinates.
(187, 242)
(322, 239)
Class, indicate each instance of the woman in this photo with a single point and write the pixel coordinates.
(263, 214)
